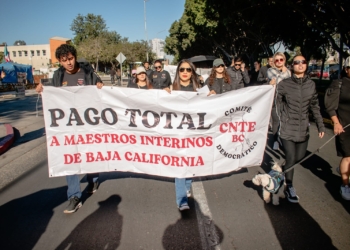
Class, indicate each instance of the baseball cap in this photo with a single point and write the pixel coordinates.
(347, 62)
(140, 70)
(217, 62)
(133, 71)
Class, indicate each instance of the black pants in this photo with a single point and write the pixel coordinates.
(112, 79)
(294, 152)
(275, 123)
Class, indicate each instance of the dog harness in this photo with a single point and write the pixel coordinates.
(277, 178)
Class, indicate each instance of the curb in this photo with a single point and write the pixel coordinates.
(8, 139)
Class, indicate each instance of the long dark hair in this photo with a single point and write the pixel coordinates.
(212, 76)
(194, 79)
(148, 82)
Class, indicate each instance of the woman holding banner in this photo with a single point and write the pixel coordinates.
(295, 98)
(185, 80)
(219, 80)
(141, 80)
(276, 74)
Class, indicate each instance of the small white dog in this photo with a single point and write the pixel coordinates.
(272, 183)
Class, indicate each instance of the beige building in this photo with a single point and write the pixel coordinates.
(39, 56)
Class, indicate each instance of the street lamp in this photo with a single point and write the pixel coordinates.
(144, 4)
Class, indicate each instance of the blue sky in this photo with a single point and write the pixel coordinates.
(35, 21)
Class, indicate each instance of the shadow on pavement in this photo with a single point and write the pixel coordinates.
(293, 226)
(323, 170)
(92, 232)
(185, 233)
(27, 136)
(25, 219)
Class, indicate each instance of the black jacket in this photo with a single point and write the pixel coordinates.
(217, 86)
(337, 99)
(295, 97)
(238, 78)
(91, 78)
(160, 80)
(149, 73)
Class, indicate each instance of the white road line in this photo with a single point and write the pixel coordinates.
(206, 226)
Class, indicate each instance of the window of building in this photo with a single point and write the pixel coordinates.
(19, 53)
(44, 52)
(38, 52)
(14, 53)
(32, 53)
(25, 53)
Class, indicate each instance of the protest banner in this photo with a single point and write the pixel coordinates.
(182, 134)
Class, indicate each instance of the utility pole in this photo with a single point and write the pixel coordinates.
(144, 4)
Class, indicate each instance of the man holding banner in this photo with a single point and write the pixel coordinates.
(73, 74)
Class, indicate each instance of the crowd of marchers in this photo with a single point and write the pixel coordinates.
(294, 100)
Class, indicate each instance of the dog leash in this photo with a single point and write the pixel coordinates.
(316, 151)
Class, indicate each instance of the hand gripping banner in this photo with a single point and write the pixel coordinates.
(182, 134)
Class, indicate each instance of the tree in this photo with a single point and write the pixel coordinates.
(253, 27)
(19, 42)
(89, 26)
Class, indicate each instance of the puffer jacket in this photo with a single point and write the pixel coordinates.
(91, 78)
(294, 98)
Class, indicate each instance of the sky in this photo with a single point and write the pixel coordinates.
(36, 21)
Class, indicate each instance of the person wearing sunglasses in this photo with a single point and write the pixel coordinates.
(276, 74)
(219, 80)
(160, 78)
(296, 97)
(141, 80)
(337, 103)
(239, 75)
(185, 80)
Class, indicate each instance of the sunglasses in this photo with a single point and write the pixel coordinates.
(279, 60)
(238, 64)
(158, 67)
(297, 62)
(189, 70)
(221, 65)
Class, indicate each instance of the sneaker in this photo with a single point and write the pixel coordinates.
(291, 194)
(184, 207)
(74, 205)
(188, 193)
(276, 145)
(92, 187)
(345, 192)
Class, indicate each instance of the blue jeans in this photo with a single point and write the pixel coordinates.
(73, 182)
(181, 187)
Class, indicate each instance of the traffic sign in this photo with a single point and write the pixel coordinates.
(120, 58)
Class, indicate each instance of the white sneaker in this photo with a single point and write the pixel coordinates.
(276, 145)
(345, 192)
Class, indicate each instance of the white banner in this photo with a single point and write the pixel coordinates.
(182, 134)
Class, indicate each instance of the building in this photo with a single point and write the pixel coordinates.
(158, 47)
(39, 55)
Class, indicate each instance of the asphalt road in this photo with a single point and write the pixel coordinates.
(132, 211)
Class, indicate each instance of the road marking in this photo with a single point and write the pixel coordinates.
(206, 226)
